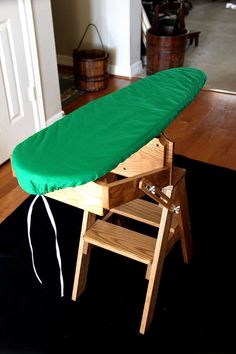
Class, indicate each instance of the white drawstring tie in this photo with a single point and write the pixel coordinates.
(56, 242)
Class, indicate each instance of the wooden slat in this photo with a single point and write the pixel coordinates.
(149, 157)
(125, 242)
(143, 211)
(125, 190)
(99, 195)
(87, 197)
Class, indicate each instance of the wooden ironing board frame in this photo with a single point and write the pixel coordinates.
(119, 192)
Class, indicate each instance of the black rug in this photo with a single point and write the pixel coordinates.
(69, 91)
(195, 310)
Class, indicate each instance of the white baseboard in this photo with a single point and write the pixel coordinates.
(54, 118)
(64, 60)
(136, 68)
(127, 71)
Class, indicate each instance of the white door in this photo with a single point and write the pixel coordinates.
(17, 119)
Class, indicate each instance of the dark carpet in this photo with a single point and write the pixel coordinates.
(69, 91)
(195, 310)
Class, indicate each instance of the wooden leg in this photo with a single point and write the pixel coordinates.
(156, 268)
(180, 195)
(184, 221)
(194, 36)
(82, 257)
(154, 271)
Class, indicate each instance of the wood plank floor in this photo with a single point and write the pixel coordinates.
(205, 131)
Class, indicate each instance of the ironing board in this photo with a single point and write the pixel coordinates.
(94, 139)
(103, 158)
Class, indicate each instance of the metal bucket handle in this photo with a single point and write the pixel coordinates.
(90, 24)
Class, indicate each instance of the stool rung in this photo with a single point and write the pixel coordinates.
(119, 240)
(145, 212)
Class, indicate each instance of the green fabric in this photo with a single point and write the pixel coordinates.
(91, 141)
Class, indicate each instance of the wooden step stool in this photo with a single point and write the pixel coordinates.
(147, 172)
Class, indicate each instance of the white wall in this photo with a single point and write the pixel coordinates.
(118, 40)
(118, 22)
(44, 32)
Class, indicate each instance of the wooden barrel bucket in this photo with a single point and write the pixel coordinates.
(90, 66)
(164, 52)
(90, 69)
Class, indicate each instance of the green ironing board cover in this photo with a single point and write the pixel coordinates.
(92, 140)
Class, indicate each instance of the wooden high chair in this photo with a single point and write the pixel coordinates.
(148, 172)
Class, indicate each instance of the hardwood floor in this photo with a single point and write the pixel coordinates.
(11, 195)
(114, 85)
(205, 131)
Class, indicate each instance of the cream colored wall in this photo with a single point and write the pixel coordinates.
(67, 24)
(118, 22)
